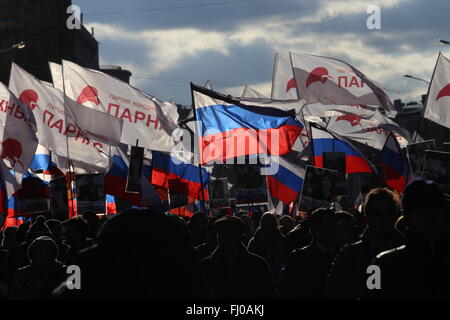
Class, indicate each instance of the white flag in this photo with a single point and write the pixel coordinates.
(9, 181)
(372, 131)
(144, 118)
(283, 81)
(332, 81)
(18, 134)
(56, 71)
(249, 92)
(438, 101)
(53, 129)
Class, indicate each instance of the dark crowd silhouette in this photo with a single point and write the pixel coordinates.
(324, 255)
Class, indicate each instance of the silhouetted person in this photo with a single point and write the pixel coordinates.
(268, 242)
(248, 228)
(286, 224)
(420, 268)
(17, 255)
(197, 227)
(345, 228)
(347, 278)
(306, 270)
(44, 273)
(76, 234)
(56, 229)
(298, 237)
(8, 241)
(140, 254)
(205, 249)
(93, 222)
(233, 272)
(401, 226)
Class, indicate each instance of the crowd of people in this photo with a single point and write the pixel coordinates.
(154, 255)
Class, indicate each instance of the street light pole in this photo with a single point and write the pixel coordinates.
(19, 46)
(415, 78)
(443, 42)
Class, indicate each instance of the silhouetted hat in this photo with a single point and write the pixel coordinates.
(38, 229)
(229, 222)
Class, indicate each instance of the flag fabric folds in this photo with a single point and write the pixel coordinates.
(231, 127)
(286, 183)
(438, 101)
(395, 166)
(181, 177)
(372, 131)
(57, 128)
(325, 141)
(110, 204)
(332, 81)
(116, 181)
(283, 81)
(18, 135)
(145, 117)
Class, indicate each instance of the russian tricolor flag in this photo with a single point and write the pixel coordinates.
(287, 181)
(110, 204)
(42, 161)
(325, 141)
(181, 177)
(32, 187)
(395, 166)
(116, 182)
(233, 127)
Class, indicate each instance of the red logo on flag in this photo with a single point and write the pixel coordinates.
(12, 149)
(318, 74)
(290, 85)
(88, 94)
(30, 98)
(445, 91)
(353, 119)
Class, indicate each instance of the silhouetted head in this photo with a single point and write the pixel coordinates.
(268, 222)
(230, 230)
(37, 230)
(382, 207)
(345, 228)
(42, 252)
(9, 237)
(426, 210)
(22, 231)
(286, 224)
(322, 225)
(76, 231)
(55, 227)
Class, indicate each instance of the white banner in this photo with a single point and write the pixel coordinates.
(332, 81)
(18, 134)
(145, 118)
(53, 129)
(438, 101)
(283, 81)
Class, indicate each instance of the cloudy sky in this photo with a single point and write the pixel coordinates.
(168, 43)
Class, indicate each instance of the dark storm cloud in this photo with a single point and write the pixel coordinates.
(415, 23)
(224, 71)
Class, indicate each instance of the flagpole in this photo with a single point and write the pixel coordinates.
(309, 134)
(67, 141)
(203, 203)
(420, 124)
